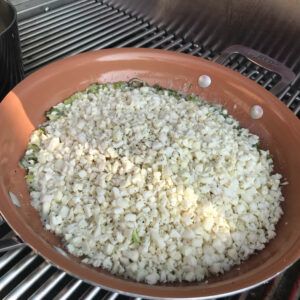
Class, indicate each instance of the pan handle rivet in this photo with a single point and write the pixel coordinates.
(204, 81)
(256, 112)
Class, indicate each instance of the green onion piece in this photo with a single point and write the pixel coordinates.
(29, 178)
(118, 85)
(94, 88)
(70, 100)
(24, 163)
(192, 98)
(41, 130)
(157, 87)
(173, 93)
(54, 114)
(34, 147)
(102, 86)
(135, 237)
(31, 157)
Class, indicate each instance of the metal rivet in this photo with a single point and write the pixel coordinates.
(256, 112)
(14, 199)
(204, 81)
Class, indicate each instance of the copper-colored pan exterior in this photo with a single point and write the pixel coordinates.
(23, 110)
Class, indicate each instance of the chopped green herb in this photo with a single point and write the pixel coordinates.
(192, 98)
(34, 147)
(42, 130)
(54, 114)
(24, 163)
(173, 93)
(157, 87)
(135, 237)
(94, 88)
(31, 157)
(29, 178)
(71, 99)
(118, 85)
(102, 86)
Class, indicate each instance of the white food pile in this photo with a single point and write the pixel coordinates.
(150, 185)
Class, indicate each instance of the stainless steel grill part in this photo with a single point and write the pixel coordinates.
(29, 281)
(48, 285)
(270, 26)
(69, 29)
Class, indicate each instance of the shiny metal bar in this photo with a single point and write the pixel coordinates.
(268, 81)
(6, 258)
(86, 43)
(259, 77)
(230, 59)
(68, 290)
(252, 73)
(165, 39)
(243, 69)
(72, 32)
(136, 37)
(197, 50)
(150, 39)
(90, 293)
(110, 39)
(293, 98)
(63, 11)
(48, 285)
(10, 244)
(173, 44)
(110, 296)
(21, 288)
(238, 63)
(28, 34)
(60, 20)
(284, 93)
(297, 110)
(119, 36)
(51, 35)
(82, 38)
(207, 53)
(17, 269)
(184, 47)
(54, 11)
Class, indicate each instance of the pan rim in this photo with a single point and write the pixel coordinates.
(176, 293)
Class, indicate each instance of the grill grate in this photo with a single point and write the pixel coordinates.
(81, 26)
(88, 25)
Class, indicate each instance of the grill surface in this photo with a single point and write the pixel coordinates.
(86, 25)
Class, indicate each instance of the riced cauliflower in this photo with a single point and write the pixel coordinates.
(152, 185)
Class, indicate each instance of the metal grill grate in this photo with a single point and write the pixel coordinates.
(70, 29)
(88, 25)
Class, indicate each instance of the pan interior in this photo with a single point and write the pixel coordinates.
(23, 110)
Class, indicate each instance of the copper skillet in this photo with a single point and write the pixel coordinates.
(23, 109)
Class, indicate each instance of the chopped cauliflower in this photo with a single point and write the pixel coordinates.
(151, 184)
